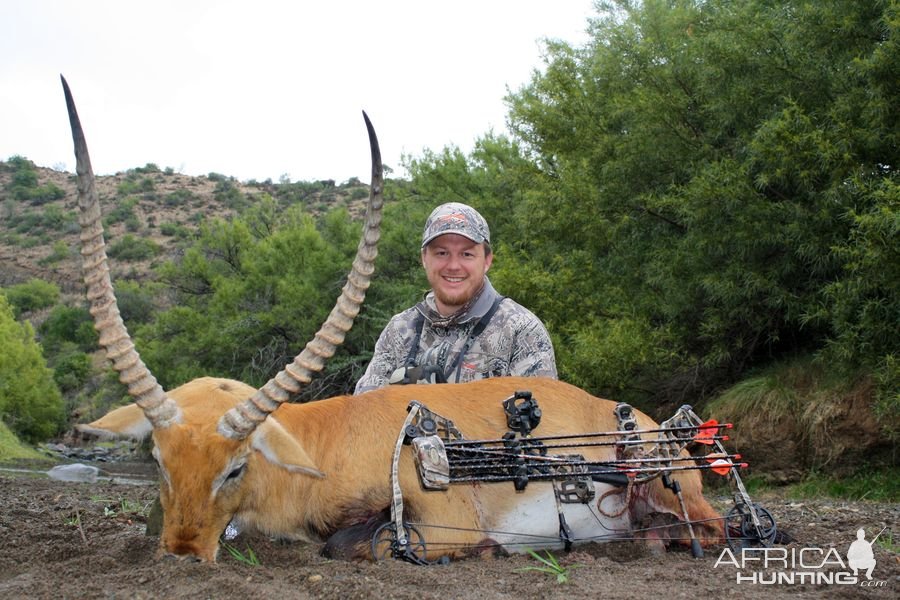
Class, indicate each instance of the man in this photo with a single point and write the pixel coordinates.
(463, 330)
(860, 555)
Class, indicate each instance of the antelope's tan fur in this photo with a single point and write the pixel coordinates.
(323, 467)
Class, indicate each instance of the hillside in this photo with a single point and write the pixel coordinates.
(148, 211)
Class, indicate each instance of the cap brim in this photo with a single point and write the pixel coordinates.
(476, 239)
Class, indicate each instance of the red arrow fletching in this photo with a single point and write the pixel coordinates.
(707, 432)
(721, 466)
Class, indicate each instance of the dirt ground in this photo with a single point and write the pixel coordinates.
(87, 540)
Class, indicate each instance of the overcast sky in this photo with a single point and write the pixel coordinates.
(259, 89)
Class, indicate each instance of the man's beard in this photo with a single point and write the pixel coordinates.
(464, 300)
(455, 299)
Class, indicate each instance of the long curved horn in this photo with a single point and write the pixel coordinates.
(159, 409)
(240, 421)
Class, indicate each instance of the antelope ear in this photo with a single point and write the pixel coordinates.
(124, 422)
(282, 449)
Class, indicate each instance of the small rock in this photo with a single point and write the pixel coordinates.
(314, 578)
(74, 472)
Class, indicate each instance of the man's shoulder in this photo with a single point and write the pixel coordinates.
(509, 308)
(404, 320)
(514, 319)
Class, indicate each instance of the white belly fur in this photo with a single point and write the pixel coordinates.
(532, 521)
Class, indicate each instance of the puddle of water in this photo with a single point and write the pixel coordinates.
(127, 479)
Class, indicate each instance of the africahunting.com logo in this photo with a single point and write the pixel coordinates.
(808, 565)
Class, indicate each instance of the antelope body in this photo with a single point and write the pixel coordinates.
(321, 471)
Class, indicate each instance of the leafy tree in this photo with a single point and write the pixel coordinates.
(71, 367)
(137, 300)
(249, 293)
(64, 324)
(30, 402)
(34, 294)
(703, 187)
(711, 160)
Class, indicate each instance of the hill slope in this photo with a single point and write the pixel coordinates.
(158, 209)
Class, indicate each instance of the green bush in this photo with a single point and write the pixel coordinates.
(30, 402)
(228, 194)
(33, 241)
(24, 172)
(146, 169)
(132, 185)
(175, 230)
(359, 193)
(133, 223)
(27, 222)
(137, 301)
(123, 211)
(66, 324)
(54, 218)
(179, 197)
(59, 252)
(71, 369)
(32, 295)
(23, 185)
(43, 194)
(130, 247)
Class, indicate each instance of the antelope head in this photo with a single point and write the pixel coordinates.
(209, 433)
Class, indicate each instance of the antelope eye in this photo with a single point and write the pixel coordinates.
(235, 472)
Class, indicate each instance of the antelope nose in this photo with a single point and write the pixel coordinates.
(191, 558)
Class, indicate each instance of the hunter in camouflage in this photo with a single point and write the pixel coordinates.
(463, 330)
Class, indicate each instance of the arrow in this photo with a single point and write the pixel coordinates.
(708, 431)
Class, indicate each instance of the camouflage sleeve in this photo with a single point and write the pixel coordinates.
(533, 354)
(390, 354)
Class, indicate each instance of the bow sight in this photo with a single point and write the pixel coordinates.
(443, 457)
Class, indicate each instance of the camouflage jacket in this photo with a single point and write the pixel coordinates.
(514, 342)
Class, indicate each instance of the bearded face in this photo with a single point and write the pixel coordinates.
(455, 267)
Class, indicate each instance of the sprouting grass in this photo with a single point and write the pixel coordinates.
(249, 558)
(886, 540)
(76, 522)
(122, 506)
(880, 486)
(550, 566)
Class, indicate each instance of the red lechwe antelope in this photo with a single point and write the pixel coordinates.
(321, 471)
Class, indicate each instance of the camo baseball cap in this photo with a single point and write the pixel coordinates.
(459, 218)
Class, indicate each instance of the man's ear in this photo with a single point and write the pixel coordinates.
(488, 260)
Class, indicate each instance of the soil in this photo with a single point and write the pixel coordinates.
(87, 540)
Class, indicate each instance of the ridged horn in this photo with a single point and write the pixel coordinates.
(242, 420)
(159, 409)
